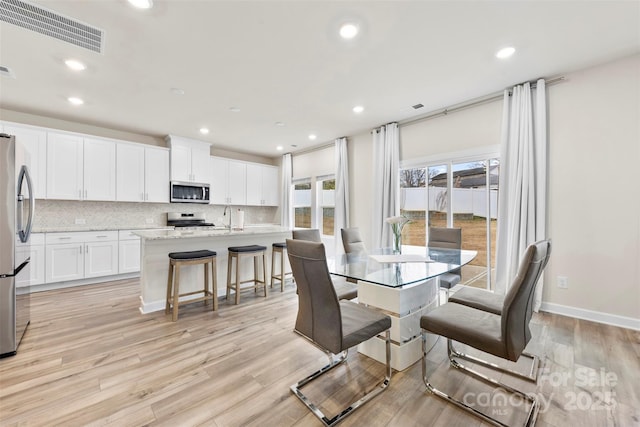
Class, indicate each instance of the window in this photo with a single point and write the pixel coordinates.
(302, 203)
(461, 194)
(326, 204)
(413, 205)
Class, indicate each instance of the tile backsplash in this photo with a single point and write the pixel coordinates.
(53, 214)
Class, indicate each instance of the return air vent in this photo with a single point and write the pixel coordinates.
(49, 23)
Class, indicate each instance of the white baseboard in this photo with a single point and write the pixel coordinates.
(594, 316)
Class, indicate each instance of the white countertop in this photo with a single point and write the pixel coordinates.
(190, 234)
(73, 228)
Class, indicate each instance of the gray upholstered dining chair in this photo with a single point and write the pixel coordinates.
(344, 288)
(447, 238)
(352, 241)
(504, 335)
(309, 234)
(333, 326)
(491, 302)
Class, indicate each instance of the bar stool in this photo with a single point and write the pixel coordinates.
(278, 248)
(237, 253)
(179, 259)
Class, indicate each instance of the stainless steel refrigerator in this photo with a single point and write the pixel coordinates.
(16, 219)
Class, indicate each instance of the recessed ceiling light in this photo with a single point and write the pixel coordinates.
(279, 124)
(177, 91)
(75, 101)
(312, 137)
(234, 109)
(279, 148)
(348, 31)
(142, 4)
(358, 109)
(75, 65)
(505, 52)
(204, 131)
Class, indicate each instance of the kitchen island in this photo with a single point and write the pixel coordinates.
(156, 246)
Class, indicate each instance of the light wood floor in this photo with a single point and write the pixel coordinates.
(90, 358)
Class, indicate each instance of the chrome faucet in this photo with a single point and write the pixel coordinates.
(224, 213)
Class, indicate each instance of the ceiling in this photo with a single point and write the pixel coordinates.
(284, 62)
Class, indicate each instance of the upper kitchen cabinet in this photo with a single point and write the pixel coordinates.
(228, 182)
(130, 172)
(33, 142)
(156, 174)
(99, 169)
(262, 185)
(143, 173)
(189, 159)
(80, 168)
(64, 166)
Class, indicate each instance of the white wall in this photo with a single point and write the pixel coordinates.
(594, 189)
(594, 138)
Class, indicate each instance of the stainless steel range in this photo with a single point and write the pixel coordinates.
(195, 220)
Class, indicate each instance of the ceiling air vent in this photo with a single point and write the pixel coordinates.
(49, 23)
(417, 106)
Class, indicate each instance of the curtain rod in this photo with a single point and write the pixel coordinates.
(443, 112)
(471, 103)
(312, 149)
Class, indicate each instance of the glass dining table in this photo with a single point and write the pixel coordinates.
(405, 286)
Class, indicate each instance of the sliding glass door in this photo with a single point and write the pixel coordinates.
(460, 194)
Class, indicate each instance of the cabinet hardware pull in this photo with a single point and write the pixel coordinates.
(102, 237)
(64, 238)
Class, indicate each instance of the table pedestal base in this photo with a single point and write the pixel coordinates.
(404, 306)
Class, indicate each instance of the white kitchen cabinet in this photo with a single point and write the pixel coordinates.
(128, 252)
(228, 182)
(156, 174)
(99, 169)
(35, 250)
(237, 185)
(130, 172)
(101, 257)
(142, 173)
(64, 166)
(33, 154)
(262, 185)
(80, 168)
(64, 262)
(189, 160)
(79, 255)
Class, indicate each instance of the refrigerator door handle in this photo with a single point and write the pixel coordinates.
(25, 232)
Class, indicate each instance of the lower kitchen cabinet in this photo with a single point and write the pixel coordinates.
(64, 262)
(79, 255)
(101, 259)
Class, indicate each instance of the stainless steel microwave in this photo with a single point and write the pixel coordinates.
(189, 192)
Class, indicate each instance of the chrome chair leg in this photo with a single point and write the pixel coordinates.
(531, 376)
(381, 386)
(533, 411)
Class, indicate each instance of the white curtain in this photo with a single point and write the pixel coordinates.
(285, 207)
(386, 199)
(341, 210)
(523, 181)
